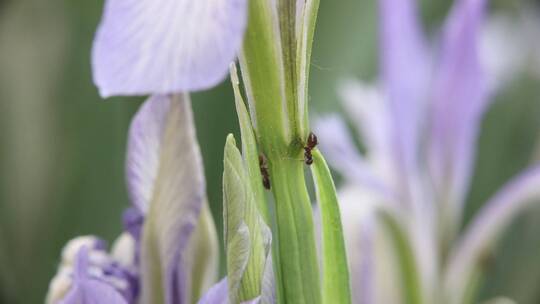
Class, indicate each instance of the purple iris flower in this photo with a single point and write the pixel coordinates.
(88, 274)
(419, 125)
(162, 48)
(168, 253)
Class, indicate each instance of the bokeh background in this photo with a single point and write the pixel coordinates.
(62, 147)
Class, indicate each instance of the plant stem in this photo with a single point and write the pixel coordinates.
(297, 250)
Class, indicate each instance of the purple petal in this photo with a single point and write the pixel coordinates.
(405, 65)
(166, 179)
(364, 103)
(93, 292)
(166, 46)
(143, 151)
(217, 294)
(337, 144)
(133, 220)
(90, 291)
(487, 226)
(358, 216)
(459, 101)
(367, 250)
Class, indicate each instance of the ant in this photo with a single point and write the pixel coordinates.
(310, 145)
(263, 164)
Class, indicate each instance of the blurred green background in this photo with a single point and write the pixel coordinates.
(62, 148)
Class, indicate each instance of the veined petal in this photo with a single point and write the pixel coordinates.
(404, 65)
(166, 177)
(166, 46)
(459, 99)
(486, 227)
(145, 142)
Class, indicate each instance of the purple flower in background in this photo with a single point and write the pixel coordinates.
(168, 253)
(162, 48)
(147, 47)
(420, 126)
(88, 274)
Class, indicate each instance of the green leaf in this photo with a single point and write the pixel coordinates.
(305, 42)
(336, 284)
(247, 238)
(250, 152)
(250, 155)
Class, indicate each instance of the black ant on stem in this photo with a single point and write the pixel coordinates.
(310, 145)
(263, 165)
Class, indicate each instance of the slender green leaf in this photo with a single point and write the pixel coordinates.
(249, 147)
(307, 22)
(336, 284)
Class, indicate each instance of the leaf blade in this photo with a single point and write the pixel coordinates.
(336, 282)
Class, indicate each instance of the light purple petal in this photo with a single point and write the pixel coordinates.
(359, 208)
(363, 267)
(133, 220)
(404, 65)
(217, 294)
(487, 226)
(337, 144)
(90, 291)
(364, 103)
(165, 172)
(146, 135)
(93, 292)
(459, 100)
(166, 46)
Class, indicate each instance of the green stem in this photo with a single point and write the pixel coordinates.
(270, 76)
(287, 25)
(259, 63)
(297, 250)
(262, 80)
